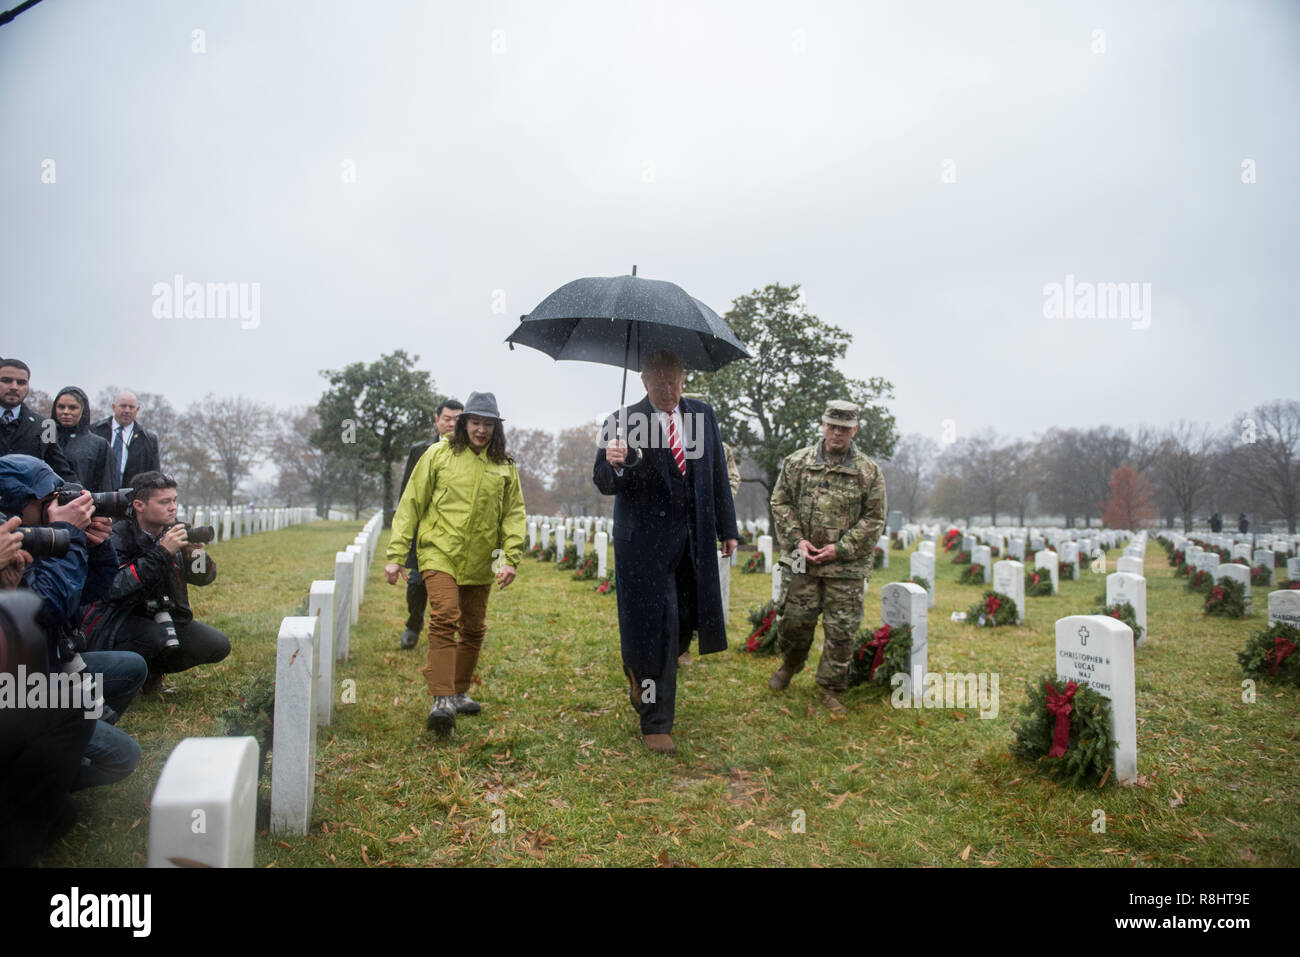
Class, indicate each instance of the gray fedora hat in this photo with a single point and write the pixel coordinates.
(482, 403)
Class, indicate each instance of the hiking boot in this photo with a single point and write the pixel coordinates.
(659, 743)
(780, 679)
(410, 639)
(684, 658)
(465, 704)
(831, 701)
(442, 716)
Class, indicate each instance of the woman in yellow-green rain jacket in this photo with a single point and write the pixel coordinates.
(464, 498)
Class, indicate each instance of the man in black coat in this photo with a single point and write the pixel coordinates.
(417, 597)
(22, 432)
(670, 511)
(132, 449)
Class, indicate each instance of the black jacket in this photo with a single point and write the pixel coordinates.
(23, 437)
(149, 579)
(141, 453)
(416, 453)
(87, 452)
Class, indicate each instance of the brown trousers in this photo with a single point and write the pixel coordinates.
(453, 608)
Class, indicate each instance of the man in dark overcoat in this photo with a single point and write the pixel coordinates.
(670, 511)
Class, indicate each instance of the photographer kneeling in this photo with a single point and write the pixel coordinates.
(149, 602)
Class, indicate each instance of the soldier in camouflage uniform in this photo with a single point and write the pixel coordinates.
(829, 508)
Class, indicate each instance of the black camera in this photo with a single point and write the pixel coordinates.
(107, 504)
(200, 534)
(40, 541)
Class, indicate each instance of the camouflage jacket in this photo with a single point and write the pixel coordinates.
(825, 503)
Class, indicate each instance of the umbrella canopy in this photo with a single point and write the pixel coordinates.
(618, 320)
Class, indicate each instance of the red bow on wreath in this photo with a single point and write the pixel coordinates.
(879, 638)
(1218, 593)
(992, 604)
(1035, 578)
(603, 587)
(752, 642)
(1282, 649)
(1059, 705)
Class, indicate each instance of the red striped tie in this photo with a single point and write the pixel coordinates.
(676, 442)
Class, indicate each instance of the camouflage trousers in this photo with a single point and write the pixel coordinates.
(839, 602)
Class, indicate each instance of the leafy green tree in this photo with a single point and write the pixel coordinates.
(771, 404)
(370, 416)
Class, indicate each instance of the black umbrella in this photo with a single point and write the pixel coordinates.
(619, 320)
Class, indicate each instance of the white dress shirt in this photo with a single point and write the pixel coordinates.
(127, 431)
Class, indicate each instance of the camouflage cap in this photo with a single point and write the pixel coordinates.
(839, 412)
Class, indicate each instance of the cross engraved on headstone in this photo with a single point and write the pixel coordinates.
(1083, 635)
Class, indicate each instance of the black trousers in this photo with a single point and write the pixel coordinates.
(200, 644)
(417, 604)
(658, 700)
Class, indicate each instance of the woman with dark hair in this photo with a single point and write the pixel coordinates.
(464, 507)
(88, 453)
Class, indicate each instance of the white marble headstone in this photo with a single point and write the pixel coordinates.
(922, 566)
(983, 556)
(1046, 558)
(1098, 649)
(601, 545)
(1284, 607)
(904, 603)
(293, 759)
(1009, 579)
(765, 548)
(1127, 587)
(212, 781)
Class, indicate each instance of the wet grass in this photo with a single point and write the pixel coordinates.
(553, 771)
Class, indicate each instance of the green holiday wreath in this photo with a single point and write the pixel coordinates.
(1038, 582)
(1271, 655)
(1089, 750)
(1122, 611)
(993, 610)
(766, 625)
(971, 575)
(1226, 598)
(879, 654)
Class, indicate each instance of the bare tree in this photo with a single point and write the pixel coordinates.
(1267, 455)
(575, 454)
(236, 432)
(534, 453)
(909, 474)
(986, 472)
(1181, 468)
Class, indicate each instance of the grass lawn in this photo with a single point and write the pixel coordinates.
(555, 760)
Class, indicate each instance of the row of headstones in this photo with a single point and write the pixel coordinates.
(239, 522)
(1239, 545)
(204, 806)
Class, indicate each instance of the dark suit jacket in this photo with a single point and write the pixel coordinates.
(141, 452)
(23, 437)
(642, 532)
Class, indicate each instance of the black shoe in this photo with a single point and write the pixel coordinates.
(410, 639)
(442, 717)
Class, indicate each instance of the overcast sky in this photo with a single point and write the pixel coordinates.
(501, 149)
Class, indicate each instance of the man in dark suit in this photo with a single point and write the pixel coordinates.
(132, 449)
(22, 431)
(670, 511)
(417, 597)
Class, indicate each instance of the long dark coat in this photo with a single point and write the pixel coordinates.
(642, 512)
